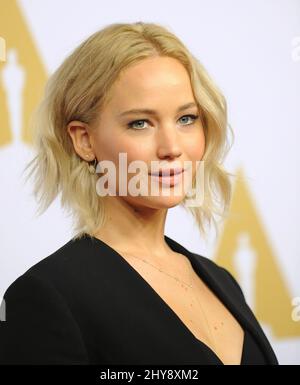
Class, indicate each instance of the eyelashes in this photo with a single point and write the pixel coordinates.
(131, 124)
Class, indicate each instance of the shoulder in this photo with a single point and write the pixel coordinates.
(42, 303)
(73, 253)
(65, 270)
(39, 325)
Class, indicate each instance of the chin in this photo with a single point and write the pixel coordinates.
(161, 202)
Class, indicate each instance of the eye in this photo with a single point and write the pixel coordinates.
(132, 124)
(193, 117)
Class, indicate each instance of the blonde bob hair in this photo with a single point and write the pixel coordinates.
(79, 88)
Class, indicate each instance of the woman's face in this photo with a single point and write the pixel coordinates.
(167, 135)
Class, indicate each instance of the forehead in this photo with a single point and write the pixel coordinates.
(151, 80)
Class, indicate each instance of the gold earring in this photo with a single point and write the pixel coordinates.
(92, 167)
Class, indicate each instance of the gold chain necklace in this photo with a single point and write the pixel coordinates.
(207, 323)
(191, 286)
(159, 269)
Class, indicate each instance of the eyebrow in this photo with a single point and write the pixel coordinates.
(153, 112)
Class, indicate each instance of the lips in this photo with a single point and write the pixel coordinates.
(167, 172)
(170, 177)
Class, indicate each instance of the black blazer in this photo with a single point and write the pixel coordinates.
(85, 304)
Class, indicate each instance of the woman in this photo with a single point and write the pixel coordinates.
(120, 291)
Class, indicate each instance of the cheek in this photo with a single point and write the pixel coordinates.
(134, 152)
(110, 150)
(195, 147)
(135, 149)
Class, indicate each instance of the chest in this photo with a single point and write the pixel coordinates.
(205, 316)
(198, 309)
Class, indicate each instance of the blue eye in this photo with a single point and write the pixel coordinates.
(131, 124)
(194, 117)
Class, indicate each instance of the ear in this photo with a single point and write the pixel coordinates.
(81, 138)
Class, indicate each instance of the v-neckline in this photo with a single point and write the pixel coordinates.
(166, 306)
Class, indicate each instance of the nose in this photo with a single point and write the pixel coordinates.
(168, 143)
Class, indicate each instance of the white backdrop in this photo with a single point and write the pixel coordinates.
(252, 50)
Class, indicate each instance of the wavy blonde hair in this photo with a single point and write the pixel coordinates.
(80, 87)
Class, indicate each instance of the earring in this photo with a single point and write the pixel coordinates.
(92, 167)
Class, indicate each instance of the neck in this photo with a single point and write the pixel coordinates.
(135, 229)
